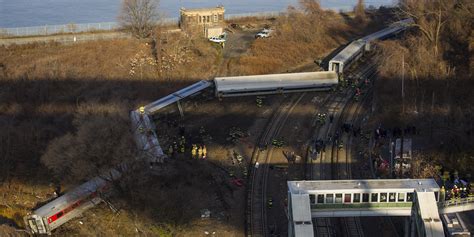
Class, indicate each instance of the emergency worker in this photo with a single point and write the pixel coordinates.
(204, 152)
(200, 152)
(194, 151)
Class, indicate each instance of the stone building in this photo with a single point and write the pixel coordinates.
(210, 21)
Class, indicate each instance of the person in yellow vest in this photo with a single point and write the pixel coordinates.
(194, 151)
(142, 110)
(204, 152)
(200, 152)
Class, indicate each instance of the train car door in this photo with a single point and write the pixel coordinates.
(36, 225)
(335, 67)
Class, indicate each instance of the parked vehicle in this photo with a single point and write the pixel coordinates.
(217, 40)
(265, 33)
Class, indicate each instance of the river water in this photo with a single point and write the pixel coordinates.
(20, 13)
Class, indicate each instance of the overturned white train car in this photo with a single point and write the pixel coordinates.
(59, 211)
(274, 83)
(146, 137)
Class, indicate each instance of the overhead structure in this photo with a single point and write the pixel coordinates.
(377, 197)
(274, 83)
(300, 222)
(425, 217)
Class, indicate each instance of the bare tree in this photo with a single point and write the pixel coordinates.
(359, 11)
(102, 141)
(430, 17)
(139, 16)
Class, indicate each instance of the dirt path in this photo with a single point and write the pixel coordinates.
(237, 44)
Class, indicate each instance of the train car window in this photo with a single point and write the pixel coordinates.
(347, 198)
(320, 198)
(436, 196)
(338, 197)
(312, 198)
(383, 197)
(409, 197)
(329, 198)
(401, 197)
(374, 197)
(392, 197)
(356, 198)
(365, 197)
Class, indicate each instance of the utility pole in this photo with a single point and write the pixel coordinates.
(402, 117)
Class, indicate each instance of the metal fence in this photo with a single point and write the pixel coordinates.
(58, 29)
(103, 26)
(65, 39)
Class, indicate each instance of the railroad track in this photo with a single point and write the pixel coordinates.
(257, 195)
(342, 110)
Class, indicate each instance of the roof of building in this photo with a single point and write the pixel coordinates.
(301, 215)
(374, 184)
(428, 210)
(201, 10)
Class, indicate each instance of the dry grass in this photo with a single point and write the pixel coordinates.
(297, 39)
(438, 90)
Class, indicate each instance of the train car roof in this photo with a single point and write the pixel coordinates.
(273, 80)
(392, 29)
(348, 52)
(374, 184)
(172, 98)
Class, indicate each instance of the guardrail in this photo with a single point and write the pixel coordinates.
(456, 202)
(103, 26)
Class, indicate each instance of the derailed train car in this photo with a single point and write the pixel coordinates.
(274, 83)
(356, 49)
(59, 211)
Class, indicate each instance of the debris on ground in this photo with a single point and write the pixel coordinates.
(205, 213)
(235, 134)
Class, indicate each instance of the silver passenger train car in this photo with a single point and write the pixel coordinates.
(357, 48)
(274, 83)
(59, 211)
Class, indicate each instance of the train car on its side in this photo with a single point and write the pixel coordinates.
(72, 204)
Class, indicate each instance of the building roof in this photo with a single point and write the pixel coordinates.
(428, 211)
(362, 185)
(301, 215)
(201, 10)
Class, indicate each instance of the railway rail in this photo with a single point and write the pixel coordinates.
(257, 196)
(340, 162)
